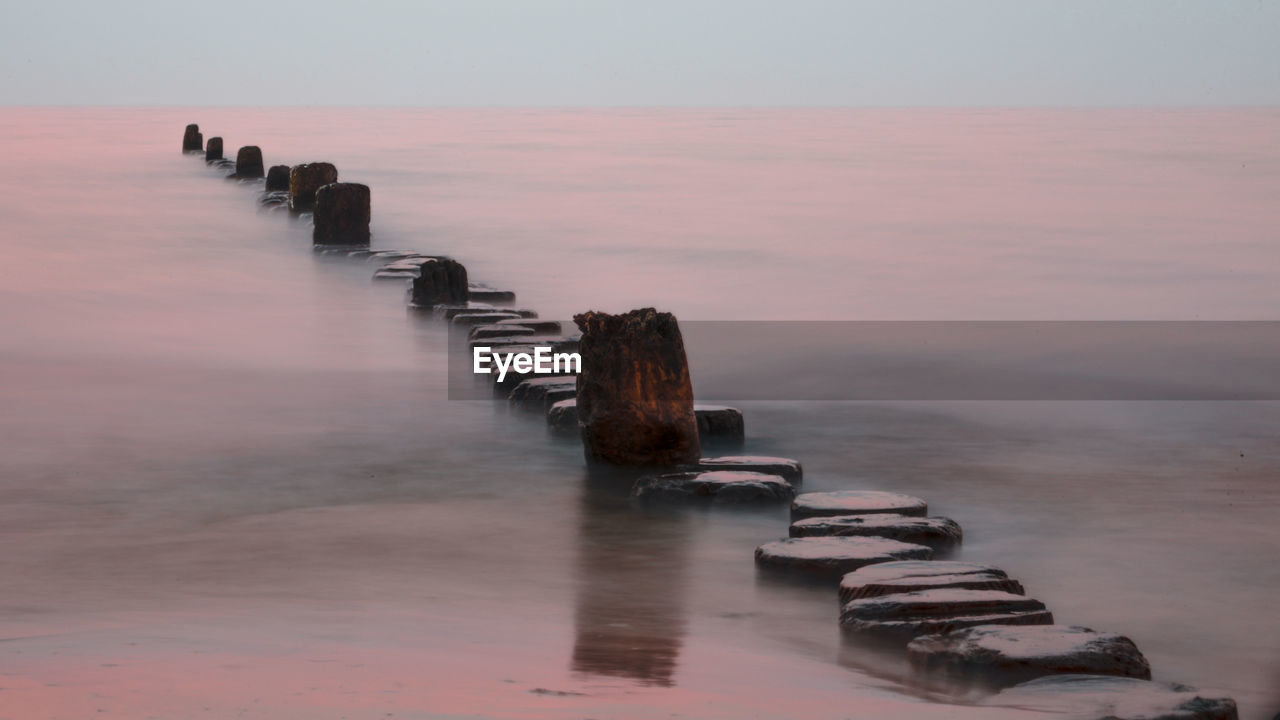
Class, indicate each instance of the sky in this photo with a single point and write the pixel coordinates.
(629, 53)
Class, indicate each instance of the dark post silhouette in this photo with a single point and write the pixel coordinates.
(278, 178)
(635, 399)
(440, 281)
(305, 180)
(213, 151)
(249, 162)
(192, 140)
(342, 215)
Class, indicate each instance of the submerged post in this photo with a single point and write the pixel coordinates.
(635, 398)
(278, 178)
(342, 215)
(249, 162)
(305, 180)
(192, 140)
(213, 151)
(440, 281)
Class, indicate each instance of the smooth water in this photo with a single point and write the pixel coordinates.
(231, 485)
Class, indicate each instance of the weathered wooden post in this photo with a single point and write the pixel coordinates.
(342, 215)
(213, 151)
(278, 178)
(440, 281)
(635, 399)
(192, 140)
(249, 162)
(305, 179)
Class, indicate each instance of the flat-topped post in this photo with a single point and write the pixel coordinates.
(305, 180)
(192, 140)
(278, 178)
(249, 162)
(342, 215)
(635, 398)
(440, 281)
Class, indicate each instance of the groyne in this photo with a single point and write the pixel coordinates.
(956, 624)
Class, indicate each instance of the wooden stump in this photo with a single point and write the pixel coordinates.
(342, 215)
(305, 180)
(192, 140)
(635, 399)
(249, 162)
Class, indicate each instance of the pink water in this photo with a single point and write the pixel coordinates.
(230, 484)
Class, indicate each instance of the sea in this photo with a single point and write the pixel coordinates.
(233, 483)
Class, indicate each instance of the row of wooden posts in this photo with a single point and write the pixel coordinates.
(637, 407)
(341, 210)
(634, 408)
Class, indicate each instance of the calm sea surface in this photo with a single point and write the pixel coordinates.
(231, 485)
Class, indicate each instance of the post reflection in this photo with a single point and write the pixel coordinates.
(631, 574)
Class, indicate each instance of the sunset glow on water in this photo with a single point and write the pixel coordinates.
(232, 484)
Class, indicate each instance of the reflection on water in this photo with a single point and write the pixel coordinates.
(632, 569)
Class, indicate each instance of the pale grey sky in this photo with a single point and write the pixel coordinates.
(660, 52)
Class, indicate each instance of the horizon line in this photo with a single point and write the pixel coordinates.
(652, 106)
